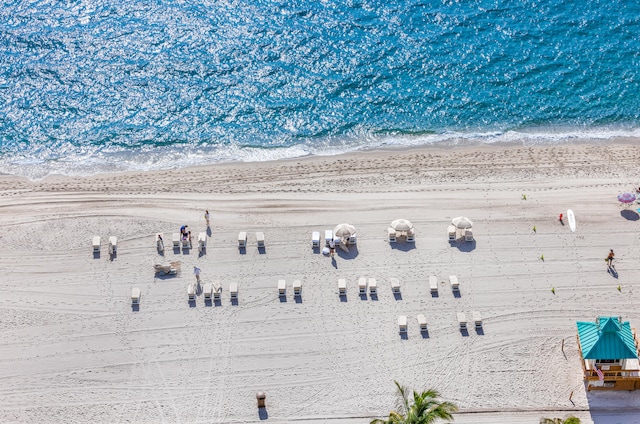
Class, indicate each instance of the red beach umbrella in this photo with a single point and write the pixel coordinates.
(626, 197)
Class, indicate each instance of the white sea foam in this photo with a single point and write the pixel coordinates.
(90, 161)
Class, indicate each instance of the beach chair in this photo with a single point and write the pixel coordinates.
(362, 285)
(477, 319)
(411, 237)
(260, 239)
(328, 236)
(455, 286)
(391, 234)
(352, 240)
(186, 241)
(242, 239)
(191, 292)
(342, 287)
(202, 242)
(373, 286)
(217, 290)
(297, 287)
(402, 323)
(468, 234)
(451, 231)
(176, 240)
(96, 244)
(282, 288)
(315, 239)
(207, 291)
(462, 320)
(233, 290)
(422, 322)
(113, 245)
(135, 296)
(395, 285)
(159, 242)
(433, 284)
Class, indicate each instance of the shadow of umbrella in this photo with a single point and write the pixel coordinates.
(629, 215)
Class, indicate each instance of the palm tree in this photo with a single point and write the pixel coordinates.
(568, 420)
(425, 408)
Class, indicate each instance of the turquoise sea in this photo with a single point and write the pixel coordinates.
(92, 86)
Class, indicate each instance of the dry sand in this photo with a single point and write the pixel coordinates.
(73, 350)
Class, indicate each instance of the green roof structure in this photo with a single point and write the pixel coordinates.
(607, 338)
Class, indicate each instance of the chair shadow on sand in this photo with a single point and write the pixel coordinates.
(403, 246)
(463, 246)
(629, 215)
(351, 254)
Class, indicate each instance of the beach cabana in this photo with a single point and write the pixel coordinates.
(401, 228)
(609, 354)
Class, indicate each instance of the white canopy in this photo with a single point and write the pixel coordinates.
(402, 225)
(462, 222)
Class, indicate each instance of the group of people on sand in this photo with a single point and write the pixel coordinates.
(185, 234)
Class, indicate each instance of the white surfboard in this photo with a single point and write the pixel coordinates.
(572, 220)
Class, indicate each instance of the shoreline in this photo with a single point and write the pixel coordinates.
(454, 144)
(317, 358)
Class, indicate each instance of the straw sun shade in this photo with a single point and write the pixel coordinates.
(462, 222)
(402, 225)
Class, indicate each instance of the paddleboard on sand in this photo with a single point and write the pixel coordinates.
(572, 220)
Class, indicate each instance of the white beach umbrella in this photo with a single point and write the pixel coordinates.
(344, 231)
(462, 222)
(402, 225)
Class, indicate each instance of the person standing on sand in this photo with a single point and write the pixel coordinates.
(610, 258)
(332, 247)
(206, 217)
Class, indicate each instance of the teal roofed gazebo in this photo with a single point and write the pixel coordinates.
(607, 338)
(609, 345)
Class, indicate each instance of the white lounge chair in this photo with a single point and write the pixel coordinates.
(455, 285)
(207, 291)
(477, 319)
(260, 239)
(342, 286)
(315, 239)
(96, 244)
(391, 234)
(135, 296)
(186, 241)
(468, 234)
(242, 239)
(297, 287)
(395, 285)
(373, 286)
(451, 231)
(233, 290)
(282, 288)
(433, 284)
(422, 322)
(159, 242)
(352, 240)
(462, 320)
(328, 236)
(217, 290)
(176, 240)
(202, 241)
(113, 245)
(362, 285)
(191, 292)
(402, 323)
(411, 237)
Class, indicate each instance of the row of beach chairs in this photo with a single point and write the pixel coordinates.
(453, 235)
(328, 236)
(210, 291)
(282, 288)
(242, 239)
(113, 244)
(422, 321)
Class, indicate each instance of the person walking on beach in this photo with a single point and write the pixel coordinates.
(610, 258)
(206, 217)
(332, 247)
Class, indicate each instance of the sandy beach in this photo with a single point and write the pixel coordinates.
(74, 350)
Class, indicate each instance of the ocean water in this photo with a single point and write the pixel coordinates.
(92, 86)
